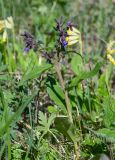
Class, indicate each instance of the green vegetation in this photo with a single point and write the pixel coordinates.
(57, 102)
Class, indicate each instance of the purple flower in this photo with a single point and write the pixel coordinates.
(69, 25)
(59, 24)
(62, 30)
(26, 49)
(62, 39)
(64, 43)
(30, 43)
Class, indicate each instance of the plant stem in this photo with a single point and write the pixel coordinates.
(76, 150)
(67, 101)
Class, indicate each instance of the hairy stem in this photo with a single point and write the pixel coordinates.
(67, 101)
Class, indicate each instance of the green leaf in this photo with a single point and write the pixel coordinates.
(34, 72)
(3, 75)
(52, 109)
(3, 68)
(77, 64)
(51, 119)
(85, 75)
(108, 73)
(100, 157)
(109, 115)
(64, 126)
(42, 119)
(45, 122)
(3, 78)
(56, 94)
(106, 133)
(15, 117)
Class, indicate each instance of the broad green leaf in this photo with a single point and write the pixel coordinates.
(52, 109)
(34, 72)
(57, 96)
(64, 126)
(85, 75)
(77, 64)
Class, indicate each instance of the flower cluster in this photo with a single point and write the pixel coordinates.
(62, 33)
(30, 43)
(73, 36)
(110, 52)
(69, 35)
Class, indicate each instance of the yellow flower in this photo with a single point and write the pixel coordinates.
(111, 59)
(73, 36)
(110, 52)
(7, 23)
(4, 24)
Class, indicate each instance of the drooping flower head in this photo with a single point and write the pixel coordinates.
(73, 35)
(30, 43)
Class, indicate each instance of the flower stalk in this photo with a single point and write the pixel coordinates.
(67, 100)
